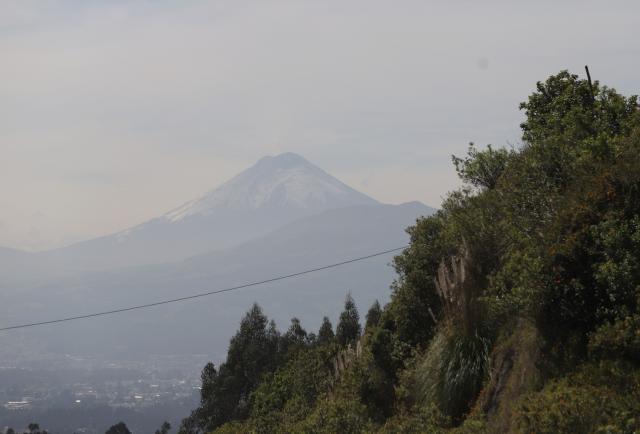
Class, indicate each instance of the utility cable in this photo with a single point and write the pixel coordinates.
(204, 294)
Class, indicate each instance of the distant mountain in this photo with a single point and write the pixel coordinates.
(278, 217)
(285, 181)
(206, 324)
(275, 191)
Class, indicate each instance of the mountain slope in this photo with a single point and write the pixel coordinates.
(206, 324)
(275, 191)
(287, 180)
(11, 258)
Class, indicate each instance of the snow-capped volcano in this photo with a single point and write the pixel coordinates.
(273, 192)
(286, 180)
(278, 217)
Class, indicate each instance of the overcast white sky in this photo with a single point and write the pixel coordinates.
(113, 112)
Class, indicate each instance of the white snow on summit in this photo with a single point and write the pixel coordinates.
(286, 180)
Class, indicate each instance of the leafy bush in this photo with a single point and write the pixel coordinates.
(618, 339)
(600, 398)
(423, 419)
(337, 414)
(288, 395)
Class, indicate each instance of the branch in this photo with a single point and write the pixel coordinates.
(593, 99)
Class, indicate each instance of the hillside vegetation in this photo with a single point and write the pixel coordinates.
(515, 309)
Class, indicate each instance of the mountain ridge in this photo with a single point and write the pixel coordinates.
(270, 194)
(303, 184)
(329, 237)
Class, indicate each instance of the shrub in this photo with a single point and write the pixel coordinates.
(452, 371)
(602, 398)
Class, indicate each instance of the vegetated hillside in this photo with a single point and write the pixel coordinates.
(516, 307)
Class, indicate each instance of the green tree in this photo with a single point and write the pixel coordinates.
(348, 330)
(572, 110)
(325, 334)
(482, 168)
(415, 305)
(296, 334)
(373, 315)
(289, 394)
(34, 428)
(164, 428)
(253, 351)
(208, 377)
(119, 428)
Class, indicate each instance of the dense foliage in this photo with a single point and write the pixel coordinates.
(516, 307)
(119, 428)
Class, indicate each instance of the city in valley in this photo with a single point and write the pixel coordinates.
(92, 392)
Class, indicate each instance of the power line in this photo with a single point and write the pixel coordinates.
(204, 294)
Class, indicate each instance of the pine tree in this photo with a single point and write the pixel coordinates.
(34, 428)
(296, 334)
(208, 376)
(348, 330)
(225, 391)
(373, 316)
(164, 429)
(119, 428)
(325, 334)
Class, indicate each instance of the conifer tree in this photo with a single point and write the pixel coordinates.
(164, 429)
(348, 330)
(225, 391)
(325, 334)
(296, 334)
(373, 316)
(119, 428)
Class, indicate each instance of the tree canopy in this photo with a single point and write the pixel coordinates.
(119, 428)
(348, 329)
(325, 334)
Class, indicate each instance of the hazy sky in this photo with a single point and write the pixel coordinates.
(112, 112)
